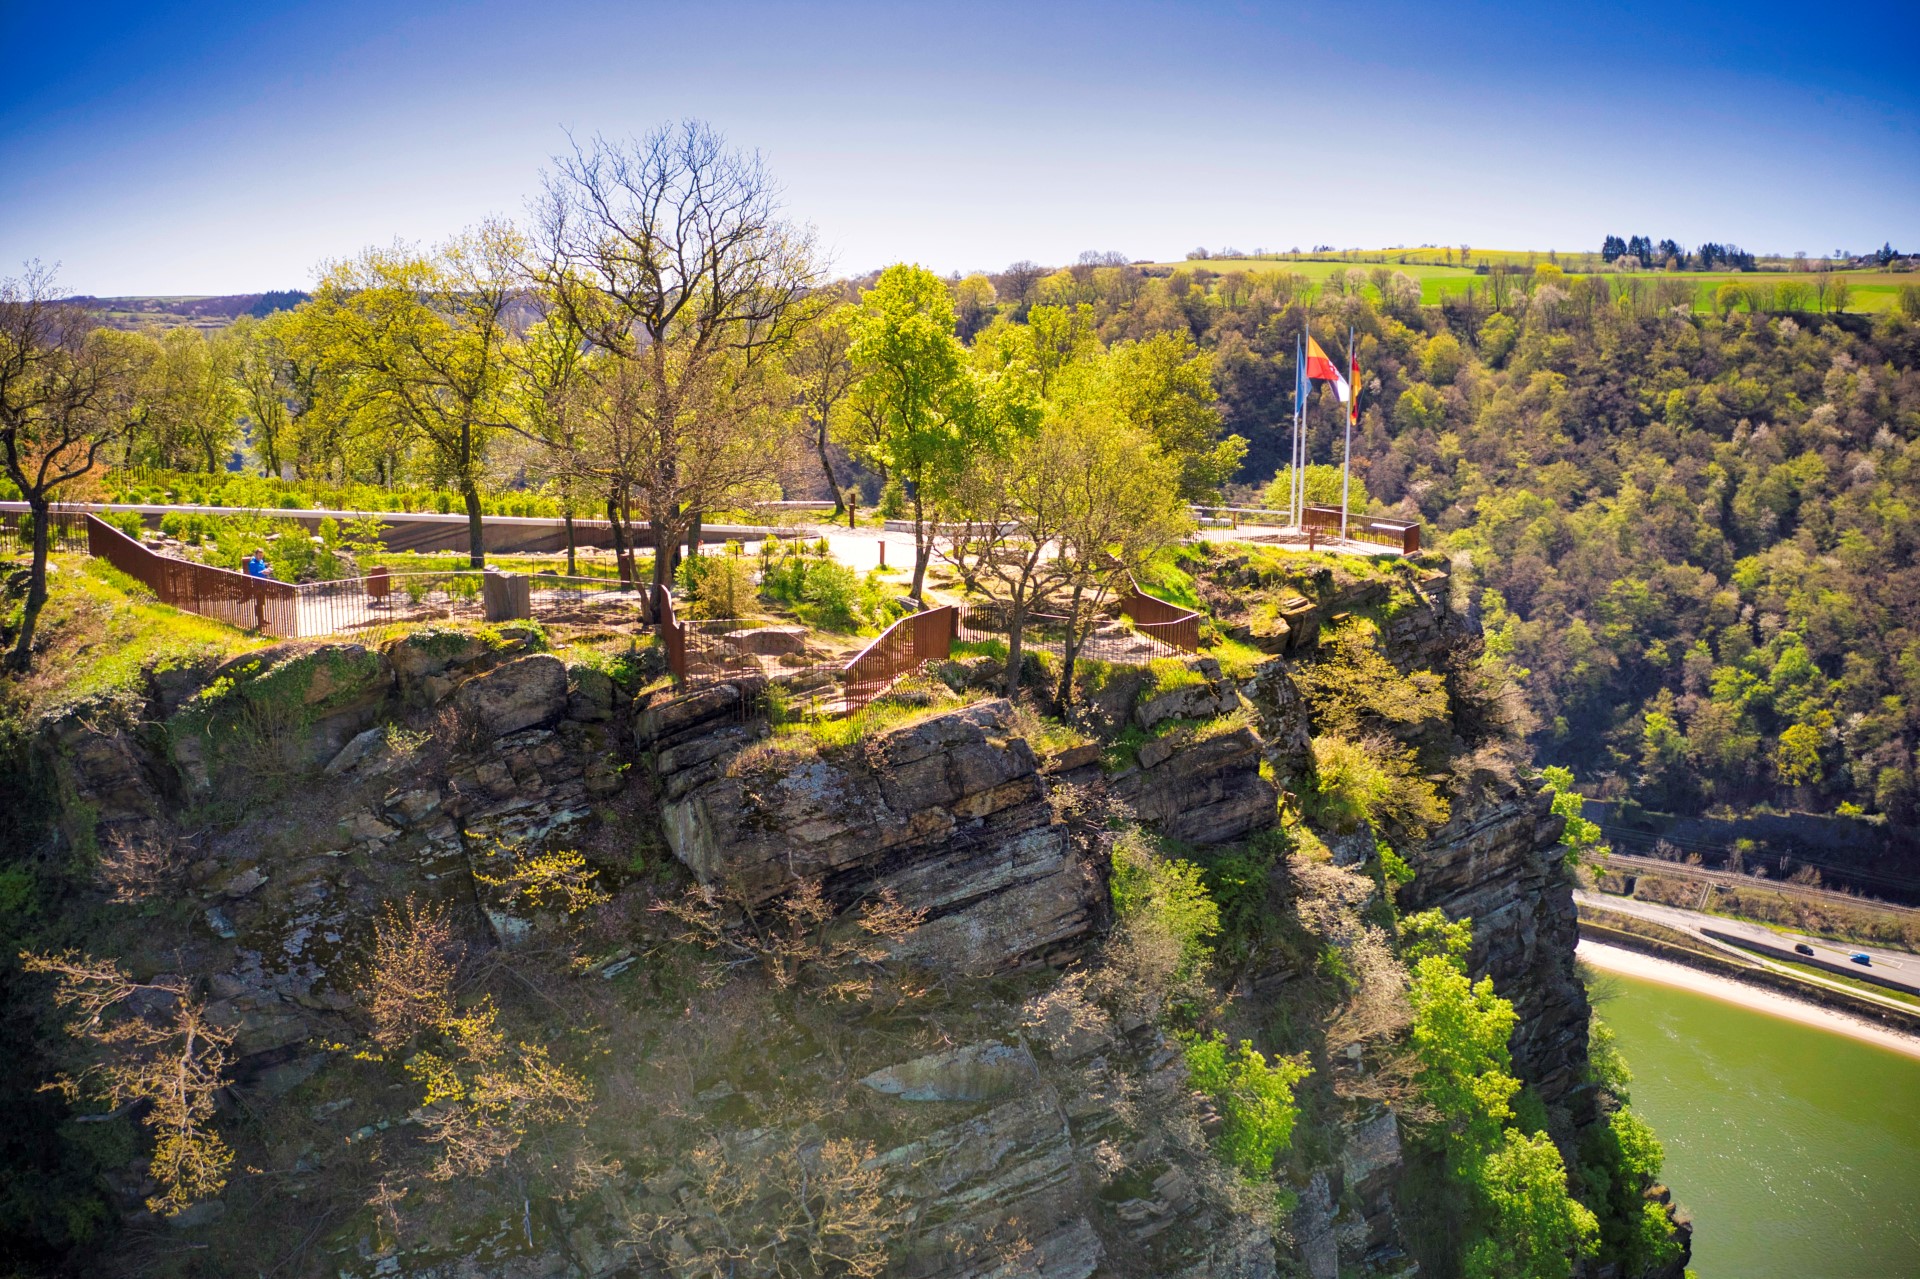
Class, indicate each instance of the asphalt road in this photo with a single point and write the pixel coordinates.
(1895, 966)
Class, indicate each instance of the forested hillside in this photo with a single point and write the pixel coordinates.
(1693, 538)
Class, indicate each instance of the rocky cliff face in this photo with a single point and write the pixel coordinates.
(1499, 863)
(950, 814)
(1015, 1126)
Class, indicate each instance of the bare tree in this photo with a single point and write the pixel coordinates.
(669, 254)
(56, 384)
(154, 1046)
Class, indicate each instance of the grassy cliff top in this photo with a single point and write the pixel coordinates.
(102, 631)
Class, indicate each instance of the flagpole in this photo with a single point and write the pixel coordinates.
(1346, 460)
(1300, 471)
(1300, 408)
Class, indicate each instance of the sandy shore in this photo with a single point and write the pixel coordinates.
(1634, 964)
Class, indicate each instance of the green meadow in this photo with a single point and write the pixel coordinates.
(1871, 290)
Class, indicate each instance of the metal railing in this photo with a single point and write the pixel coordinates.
(1171, 624)
(250, 603)
(1151, 629)
(1401, 535)
(926, 636)
(66, 531)
(382, 599)
(711, 651)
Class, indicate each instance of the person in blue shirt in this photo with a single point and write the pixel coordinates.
(257, 566)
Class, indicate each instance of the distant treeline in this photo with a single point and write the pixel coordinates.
(201, 312)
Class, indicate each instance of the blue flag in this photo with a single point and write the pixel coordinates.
(1299, 376)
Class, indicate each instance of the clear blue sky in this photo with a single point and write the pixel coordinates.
(213, 148)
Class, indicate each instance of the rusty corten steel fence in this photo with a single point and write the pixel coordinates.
(725, 650)
(250, 603)
(66, 531)
(1402, 535)
(926, 636)
(1177, 627)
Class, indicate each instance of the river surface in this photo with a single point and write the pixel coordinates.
(1796, 1150)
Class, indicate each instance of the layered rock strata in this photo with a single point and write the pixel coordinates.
(950, 813)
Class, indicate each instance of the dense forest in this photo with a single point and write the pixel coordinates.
(1692, 539)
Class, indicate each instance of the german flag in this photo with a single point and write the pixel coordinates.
(1353, 378)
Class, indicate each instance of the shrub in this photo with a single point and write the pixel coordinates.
(718, 586)
(1169, 892)
(1254, 1095)
(1535, 1227)
(1374, 783)
(893, 501)
(128, 522)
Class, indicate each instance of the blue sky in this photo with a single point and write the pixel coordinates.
(212, 148)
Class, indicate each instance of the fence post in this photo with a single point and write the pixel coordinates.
(508, 596)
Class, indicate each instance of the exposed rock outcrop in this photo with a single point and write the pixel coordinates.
(1204, 791)
(949, 812)
(1500, 863)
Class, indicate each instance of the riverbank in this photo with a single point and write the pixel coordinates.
(1667, 973)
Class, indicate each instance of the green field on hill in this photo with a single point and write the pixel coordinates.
(1872, 290)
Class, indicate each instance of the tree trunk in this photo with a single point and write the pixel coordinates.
(1070, 650)
(922, 546)
(665, 546)
(1016, 631)
(833, 481)
(22, 656)
(623, 564)
(476, 535)
(693, 537)
(572, 571)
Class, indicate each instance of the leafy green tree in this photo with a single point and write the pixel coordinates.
(1460, 1030)
(1536, 1230)
(915, 384)
(1118, 497)
(1797, 756)
(57, 383)
(1581, 838)
(1164, 386)
(1255, 1096)
(421, 341)
(1323, 489)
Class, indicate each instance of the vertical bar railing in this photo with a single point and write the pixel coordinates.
(1169, 624)
(926, 636)
(250, 603)
(66, 531)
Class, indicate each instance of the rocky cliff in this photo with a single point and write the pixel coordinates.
(982, 1085)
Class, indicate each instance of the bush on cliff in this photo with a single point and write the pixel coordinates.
(1523, 1223)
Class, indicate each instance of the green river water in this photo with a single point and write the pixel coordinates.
(1797, 1151)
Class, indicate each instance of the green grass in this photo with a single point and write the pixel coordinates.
(1866, 987)
(1238, 659)
(1170, 674)
(1164, 578)
(996, 649)
(103, 631)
